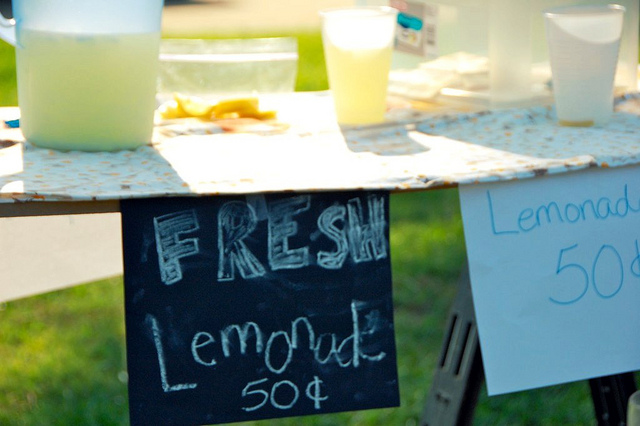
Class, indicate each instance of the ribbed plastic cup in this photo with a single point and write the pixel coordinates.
(584, 42)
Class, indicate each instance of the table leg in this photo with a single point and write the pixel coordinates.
(459, 373)
(610, 396)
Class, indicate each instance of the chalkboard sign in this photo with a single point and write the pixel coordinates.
(261, 306)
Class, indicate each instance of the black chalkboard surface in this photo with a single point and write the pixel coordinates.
(258, 306)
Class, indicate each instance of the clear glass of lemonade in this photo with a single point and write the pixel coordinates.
(87, 72)
(358, 43)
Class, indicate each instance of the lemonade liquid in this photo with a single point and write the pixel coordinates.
(358, 79)
(87, 92)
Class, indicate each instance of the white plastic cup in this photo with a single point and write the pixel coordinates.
(358, 43)
(86, 71)
(583, 50)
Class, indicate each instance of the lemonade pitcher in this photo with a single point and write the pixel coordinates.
(86, 71)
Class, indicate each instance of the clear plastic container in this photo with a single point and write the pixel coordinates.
(210, 68)
(487, 52)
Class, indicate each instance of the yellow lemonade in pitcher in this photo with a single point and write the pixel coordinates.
(88, 92)
(358, 79)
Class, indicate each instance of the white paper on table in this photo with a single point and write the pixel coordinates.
(556, 299)
(45, 253)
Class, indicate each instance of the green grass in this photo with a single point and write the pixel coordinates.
(62, 355)
(8, 88)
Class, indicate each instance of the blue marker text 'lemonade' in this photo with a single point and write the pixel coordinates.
(90, 92)
(358, 44)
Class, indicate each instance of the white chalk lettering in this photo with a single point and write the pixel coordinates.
(268, 351)
(367, 241)
(294, 332)
(281, 227)
(201, 340)
(354, 338)
(236, 220)
(354, 232)
(326, 348)
(169, 245)
(326, 225)
(332, 349)
(314, 392)
(248, 391)
(280, 348)
(260, 389)
(294, 399)
(243, 334)
(157, 339)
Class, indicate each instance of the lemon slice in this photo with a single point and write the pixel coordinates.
(194, 106)
(183, 106)
(170, 110)
(241, 107)
(266, 115)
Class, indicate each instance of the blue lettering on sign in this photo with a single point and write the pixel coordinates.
(580, 271)
(532, 218)
(606, 274)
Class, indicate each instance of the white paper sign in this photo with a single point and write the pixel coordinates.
(555, 275)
